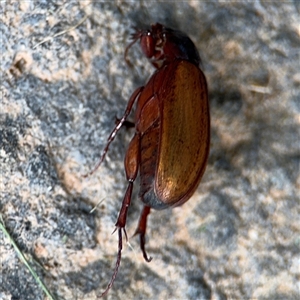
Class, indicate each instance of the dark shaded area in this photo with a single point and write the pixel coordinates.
(10, 130)
(40, 168)
(222, 231)
(153, 281)
(75, 225)
(75, 222)
(280, 296)
(88, 278)
(20, 284)
(270, 266)
(54, 114)
(17, 223)
(75, 229)
(95, 276)
(198, 287)
(171, 255)
(229, 100)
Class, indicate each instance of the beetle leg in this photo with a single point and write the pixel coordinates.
(141, 231)
(116, 267)
(132, 160)
(127, 124)
(120, 225)
(111, 137)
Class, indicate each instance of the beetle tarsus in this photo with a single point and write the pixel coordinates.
(142, 245)
(141, 231)
(125, 232)
(113, 277)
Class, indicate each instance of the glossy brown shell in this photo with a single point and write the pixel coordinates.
(173, 120)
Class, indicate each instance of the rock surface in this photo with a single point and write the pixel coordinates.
(237, 237)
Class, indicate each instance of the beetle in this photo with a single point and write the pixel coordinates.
(170, 146)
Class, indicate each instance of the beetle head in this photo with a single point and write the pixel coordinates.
(163, 45)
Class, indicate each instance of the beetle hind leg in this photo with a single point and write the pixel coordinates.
(113, 277)
(141, 231)
(131, 168)
(120, 226)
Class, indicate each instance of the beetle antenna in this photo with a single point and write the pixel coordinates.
(135, 36)
(114, 275)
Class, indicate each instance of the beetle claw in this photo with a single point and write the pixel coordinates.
(124, 230)
(141, 231)
(142, 245)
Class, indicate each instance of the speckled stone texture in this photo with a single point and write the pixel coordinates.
(237, 237)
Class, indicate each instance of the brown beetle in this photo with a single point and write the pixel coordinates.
(172, 129)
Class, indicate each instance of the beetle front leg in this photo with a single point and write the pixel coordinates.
(119, 124)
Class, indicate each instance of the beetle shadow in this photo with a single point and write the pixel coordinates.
(228, 103)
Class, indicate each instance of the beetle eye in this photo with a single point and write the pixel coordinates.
(147, 45)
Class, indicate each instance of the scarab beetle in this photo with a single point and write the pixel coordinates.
(170, 146)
